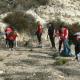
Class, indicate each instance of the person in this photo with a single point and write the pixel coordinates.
(11, 38)
(63, 33)
(8, 30)
(51, 33)
(60, 34)
(67, 49)
(39, 33)
(77, 43)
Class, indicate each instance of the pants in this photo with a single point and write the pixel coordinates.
(60, 44)
(52, 40)
(11, 43)
(77, 48)
(39, 37)
(7, 42)
(67, 49)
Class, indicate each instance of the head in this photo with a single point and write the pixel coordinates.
(49, 24)
(65, 26)
(38, 22)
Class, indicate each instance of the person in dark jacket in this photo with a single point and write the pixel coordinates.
(77, 43)
(51, 33)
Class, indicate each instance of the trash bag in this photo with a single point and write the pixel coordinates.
(66, 53)
(78, 56)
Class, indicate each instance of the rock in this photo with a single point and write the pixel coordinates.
(1, 72)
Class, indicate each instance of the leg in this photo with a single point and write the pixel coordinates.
(39, 38)
(60, 45)
(67, 49)
(52, 41)
(6, 43)
(77, 48)
(11, 44)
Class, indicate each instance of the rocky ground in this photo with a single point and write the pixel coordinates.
(36, 64)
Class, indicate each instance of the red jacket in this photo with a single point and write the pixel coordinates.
(12, 36)
(9, 29)
(66, 32)
(39, 28)
(63, 33)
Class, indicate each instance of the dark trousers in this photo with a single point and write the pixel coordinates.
(39, 37)
(11, 43)
(7, 42)
(60, 44)
(77, 48)
(52, 40)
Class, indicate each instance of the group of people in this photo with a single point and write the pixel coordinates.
(10, 35)
(62, 33)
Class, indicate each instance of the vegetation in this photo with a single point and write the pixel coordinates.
(21, 21)
(73, 28)
(60, 61)
(26, 22)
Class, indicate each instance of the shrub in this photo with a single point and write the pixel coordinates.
(43, 2)
(21, 21)
(61, 61)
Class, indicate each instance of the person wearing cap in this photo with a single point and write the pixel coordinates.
(77, 43)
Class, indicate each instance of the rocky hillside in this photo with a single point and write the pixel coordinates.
(66, 10)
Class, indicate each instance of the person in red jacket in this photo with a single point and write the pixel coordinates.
(39, 32)
(8, 30)
(61, 40)
(63, 33)
(11, 38)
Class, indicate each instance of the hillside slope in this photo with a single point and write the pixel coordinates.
(66, 10)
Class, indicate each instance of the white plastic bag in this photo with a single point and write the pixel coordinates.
(78, 56)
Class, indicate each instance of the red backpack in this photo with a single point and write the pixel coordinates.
(39, 29)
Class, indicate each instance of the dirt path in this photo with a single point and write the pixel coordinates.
(38, 64)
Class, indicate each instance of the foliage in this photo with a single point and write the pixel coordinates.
(61, 61)
(43, 2)
(21, 21)
(73, 28)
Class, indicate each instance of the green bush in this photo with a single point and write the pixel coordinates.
(21, 21)
(61, 61)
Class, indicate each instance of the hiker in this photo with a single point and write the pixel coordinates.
(77, 43)
(60, 34)
(63, 34)
(51, 33)
(39, 33)
(8, 30)
(11, 38)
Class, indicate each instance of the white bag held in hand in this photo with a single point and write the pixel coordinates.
(78, 56)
